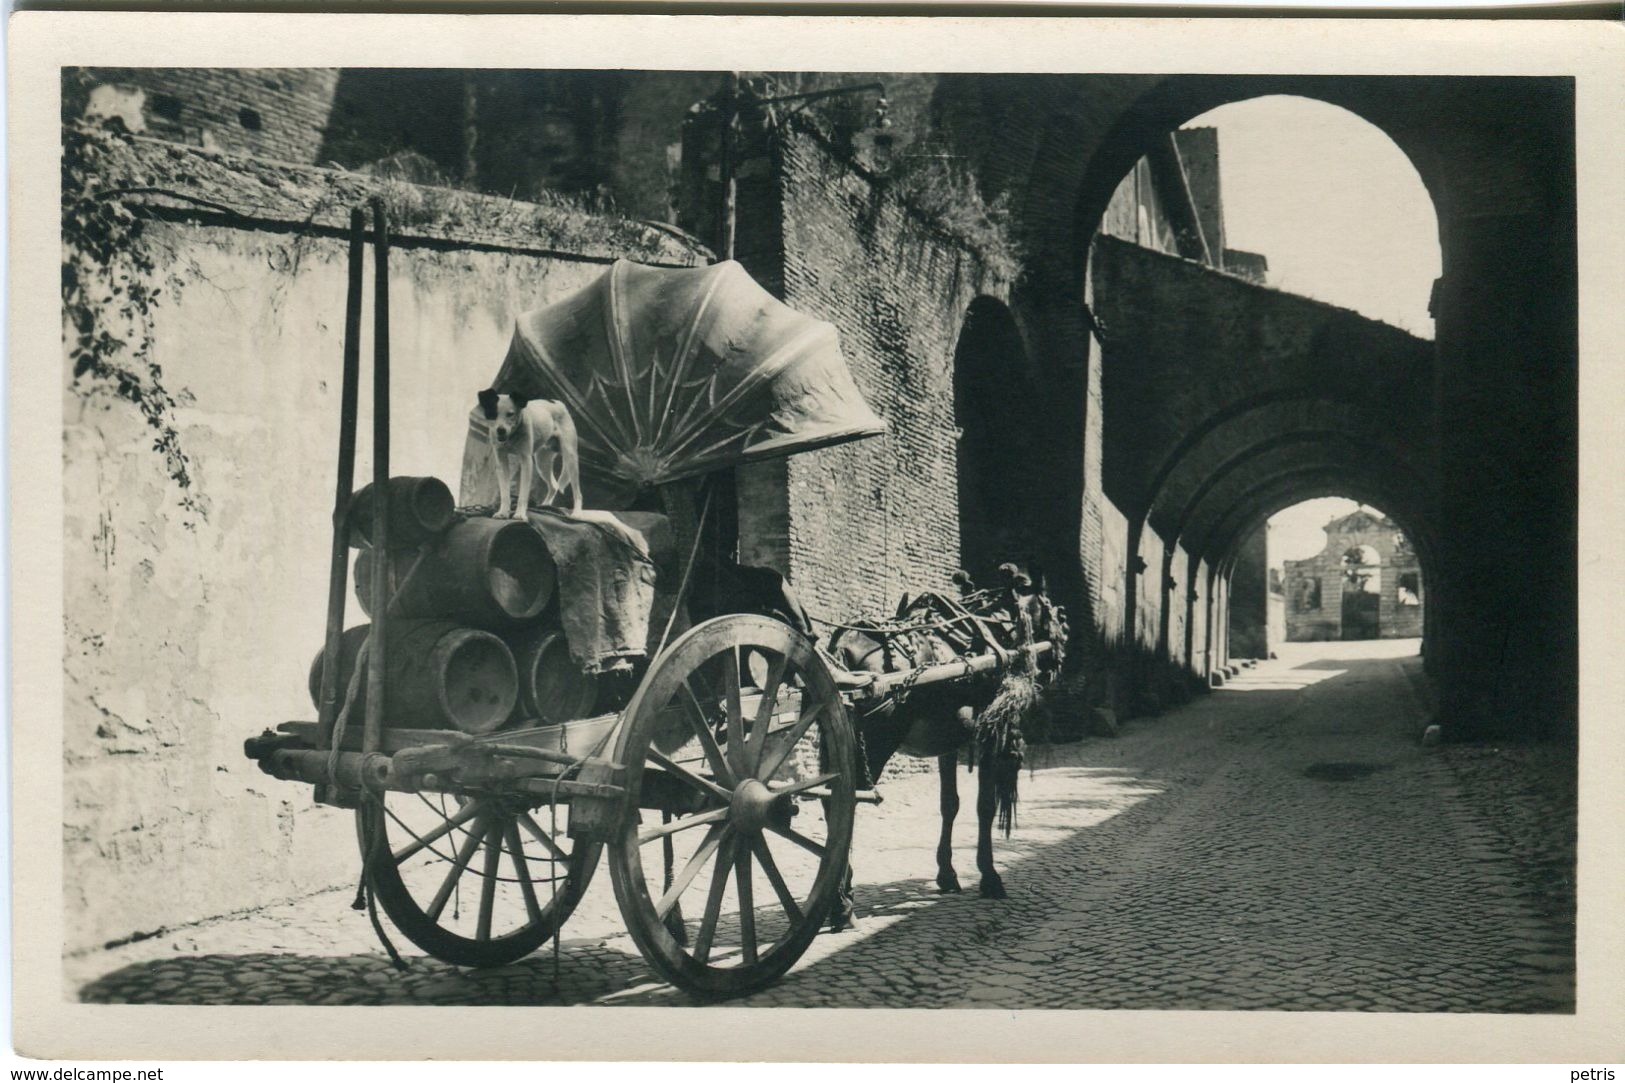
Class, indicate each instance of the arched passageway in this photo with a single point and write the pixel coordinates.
(1334, 570)
(1222, 396)
(1434, 428)
(1006, 510)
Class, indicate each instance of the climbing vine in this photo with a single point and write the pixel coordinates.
(111, 285)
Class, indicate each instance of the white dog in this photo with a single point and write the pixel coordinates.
(538, 438)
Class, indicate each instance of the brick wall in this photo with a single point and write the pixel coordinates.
(278, 113)
(856, 526)
(1111, 556)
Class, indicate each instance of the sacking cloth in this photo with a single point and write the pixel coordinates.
(610, 565)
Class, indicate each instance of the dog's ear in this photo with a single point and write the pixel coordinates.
(488, 402)
(518, 400)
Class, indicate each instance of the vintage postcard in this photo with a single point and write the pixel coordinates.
(959, 538)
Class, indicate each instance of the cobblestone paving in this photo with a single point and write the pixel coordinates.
(1282, 844)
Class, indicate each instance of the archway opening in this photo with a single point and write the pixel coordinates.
(1215, 393)
(1002, 515)
(1339, 570)
(1335, 209)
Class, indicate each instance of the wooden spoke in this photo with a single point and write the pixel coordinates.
(464, 854)
(536, 832)
(713, 903)
(488, 882)
(797, 732)
(814, 848)
(702, 732)
(804, 784)
(683, 773)
(665, 830)
(736, 712)
(422, 896)
(696, 862)
(452, 823)
(747, 906)
(764, 713)
(742, 738)
(770, 868)
(521, 868)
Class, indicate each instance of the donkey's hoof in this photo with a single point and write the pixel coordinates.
(948, 884)
(841, 921)
(993, 887)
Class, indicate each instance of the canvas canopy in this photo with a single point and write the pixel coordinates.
(671, 373)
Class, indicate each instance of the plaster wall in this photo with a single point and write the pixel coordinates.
(184, 638)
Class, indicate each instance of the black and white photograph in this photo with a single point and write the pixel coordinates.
(718, 533)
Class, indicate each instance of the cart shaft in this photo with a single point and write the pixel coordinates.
(886, 683)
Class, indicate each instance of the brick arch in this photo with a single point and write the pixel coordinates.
(1498, 407)
(1232, 436)
(1309, 439)
(1311, 483)
(1177, 100)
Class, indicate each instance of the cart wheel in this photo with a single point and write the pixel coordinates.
(739, 737)
(474, 880)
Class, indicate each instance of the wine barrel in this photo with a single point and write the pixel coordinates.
(419, 509)
(552, 686)
(437, 675)
(487, 573)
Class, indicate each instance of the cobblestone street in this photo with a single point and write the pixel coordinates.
(1285, 843)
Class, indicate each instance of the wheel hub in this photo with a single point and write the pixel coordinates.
(754, 807)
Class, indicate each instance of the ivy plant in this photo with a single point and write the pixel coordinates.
(111, 285)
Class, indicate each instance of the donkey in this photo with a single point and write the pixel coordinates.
(985, 712)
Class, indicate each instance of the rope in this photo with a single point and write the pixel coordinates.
(978, 607)
(354, 687)
(343, 719)
(688, 568)
(366, 895)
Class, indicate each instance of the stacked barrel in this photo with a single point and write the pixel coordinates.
(471, 643)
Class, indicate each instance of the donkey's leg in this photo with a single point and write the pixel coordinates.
(843, 912)
(948, 772)
(879, 737)
(986, 802)
(674, 917)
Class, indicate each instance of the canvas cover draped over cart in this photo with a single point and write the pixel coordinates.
(671, 373)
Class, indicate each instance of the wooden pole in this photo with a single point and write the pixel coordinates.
(885, 683)
(339, 564)
(380, 477)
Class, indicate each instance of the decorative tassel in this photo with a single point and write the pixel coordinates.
(1000, 746)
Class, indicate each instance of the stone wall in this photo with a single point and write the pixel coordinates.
(184, 639)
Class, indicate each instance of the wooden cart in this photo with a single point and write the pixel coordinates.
(724, 789)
